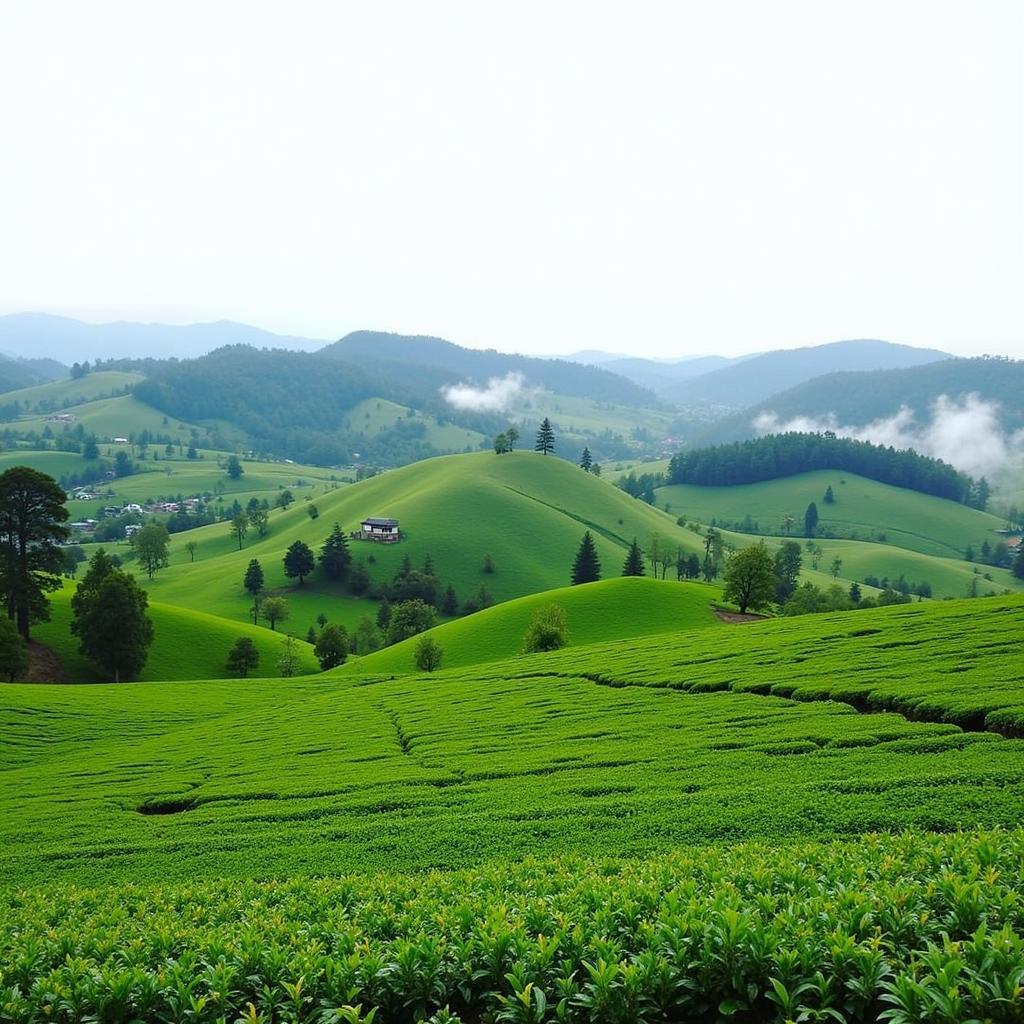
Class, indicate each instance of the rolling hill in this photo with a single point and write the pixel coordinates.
(187, 644)
(749, 381)
(863, 510)
(616, 609)
(58, 395)
(17, 373)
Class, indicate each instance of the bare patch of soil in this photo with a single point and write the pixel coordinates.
(735, 618)
(43, 665)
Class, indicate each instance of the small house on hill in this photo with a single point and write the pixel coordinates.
(384, 531)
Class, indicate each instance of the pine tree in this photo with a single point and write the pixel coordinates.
(545, 438)
(253, 583)
(634, 561)
(243, 657)
(334, 555)
(449, 602)
(586, 568)
(586, 460)
(811, 520)
(830, 497)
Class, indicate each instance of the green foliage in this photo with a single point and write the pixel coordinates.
(32, 517)
(13, 652)
(545, 443)
(634, 564)
(547, 630)
(586, 461)
(367, 638)
(335, 557)
(779, 455)
(586, 567)
(253, 580)
(298, 560)
(808, 599)
(243, 657)
(811, 520)
(331, 647)
(239, 528)
(233, 467)
(274, 610)
(112, 624)
(788, 562)
(428, 654)
(150, 544)
(409, 618)
(750, 578)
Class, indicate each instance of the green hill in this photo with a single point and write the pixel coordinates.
(863, 510)
(611, 609)
(58, 395)
(187, 644)
(378, 416)
(526, 511)
(621, 749)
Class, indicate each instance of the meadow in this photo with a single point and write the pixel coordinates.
(57, 395)
(187, 644)
(863, 510)
(618, 608)
(376, 415)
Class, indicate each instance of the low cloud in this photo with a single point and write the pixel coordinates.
(965, 433)
(496, 397)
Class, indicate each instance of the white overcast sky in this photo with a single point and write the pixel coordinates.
(657, 178)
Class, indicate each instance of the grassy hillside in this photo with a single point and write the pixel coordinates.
(378, 415)
(863, 510)
(527, 511)
(615, 750)
(57, 395)
(611, 609)
(187, 644)
(122, 416)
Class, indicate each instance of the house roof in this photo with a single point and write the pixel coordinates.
(380, 522)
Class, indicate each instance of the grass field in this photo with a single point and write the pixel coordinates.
(107, 418)
(376, 415)
(528, 512)
(611, 609)
(187, 644)
(863, 510)
(57, 395)
(613, 750)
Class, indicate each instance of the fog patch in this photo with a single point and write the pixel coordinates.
(496, 397)
(965, 433)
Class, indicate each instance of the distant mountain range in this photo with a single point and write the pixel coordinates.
(73, 341)
(16, 372)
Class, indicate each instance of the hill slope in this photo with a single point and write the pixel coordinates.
(752, 380)
(527, 511)
(612, 750)
(863, 510)
(187, 644)
(612, 609)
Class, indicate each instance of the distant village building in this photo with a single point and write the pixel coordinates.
(83, 526)
(384, 531)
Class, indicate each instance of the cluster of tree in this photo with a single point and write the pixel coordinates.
(588, 463)
(505, 441)
(109, 617)
(901, 586)
(999, 555)
(781, 455)
(642, 486)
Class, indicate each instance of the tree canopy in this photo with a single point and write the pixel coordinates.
(634, 564)
(750, 579)
(586, 567)
(111, 622)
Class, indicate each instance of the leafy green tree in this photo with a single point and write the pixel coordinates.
(634, 565)
(275, 610)
(501, 445)
(32, 517)
(243, 657)
(334, 555)
(284, 499)
(150, 544)
(547, 630)
(750, 578)
(836, 567)
(321, 620)
(410, 618)
(428, 654)
(313, 511)
(253, 583)
(367, 638)
(449, 602)
(191, 547)
(854, 593)
(384, 615)
(288, 663)
(234, 467)
(788, 563)
(91, 450)
(331, 648)
(192, 453)
(298, 561)
(239, 528)
(586, 461)
(112, 625)
(123, 465)
(787, 522)
(259, 517)
(13, 651)
(359, 578)
(811, 520)
(714, 548)
(545, 443)
(512, 434)
(586, 567)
